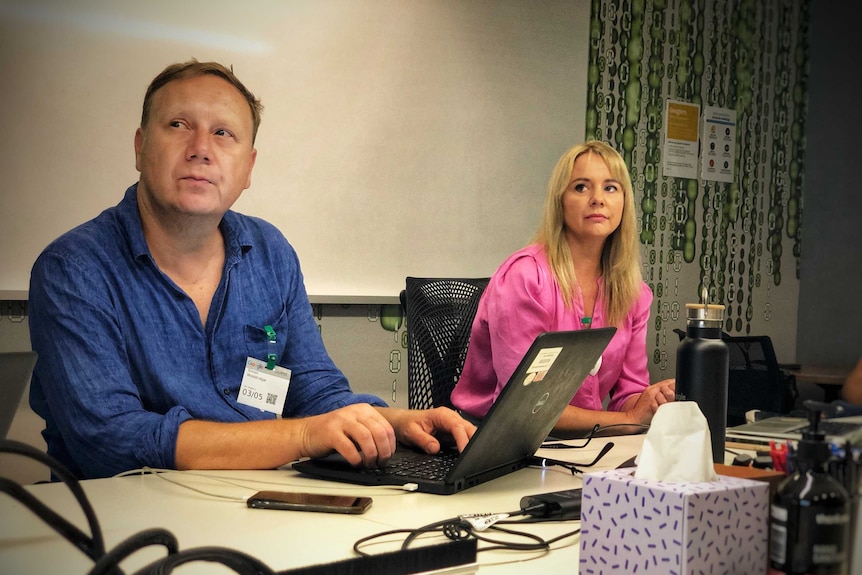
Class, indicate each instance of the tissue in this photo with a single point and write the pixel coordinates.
(677, 447)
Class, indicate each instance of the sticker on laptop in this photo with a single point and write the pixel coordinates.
(542, 364)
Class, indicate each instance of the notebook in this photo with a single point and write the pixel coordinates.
(15, 371)
(838, 430)
(547, 378)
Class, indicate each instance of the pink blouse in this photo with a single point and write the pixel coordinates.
(522, 300)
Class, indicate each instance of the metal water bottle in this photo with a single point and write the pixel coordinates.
(702, 365)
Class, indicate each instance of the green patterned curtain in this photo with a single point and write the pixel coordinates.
(746, 55)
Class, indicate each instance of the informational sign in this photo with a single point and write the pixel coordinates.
(682, 121)
(719, 144)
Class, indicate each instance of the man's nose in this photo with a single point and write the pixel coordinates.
(199, 145)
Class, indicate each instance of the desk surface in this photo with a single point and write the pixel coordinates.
(821, 374)
(282, 539)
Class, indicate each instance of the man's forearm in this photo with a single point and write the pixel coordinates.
(248, 445)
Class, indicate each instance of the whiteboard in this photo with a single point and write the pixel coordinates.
(398, 137)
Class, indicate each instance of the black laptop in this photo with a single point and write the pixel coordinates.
(15, 371)
(544, 383)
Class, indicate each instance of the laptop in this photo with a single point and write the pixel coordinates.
(838, 430)
(547, 378)
(15, 371)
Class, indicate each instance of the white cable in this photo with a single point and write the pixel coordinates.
(161, 473)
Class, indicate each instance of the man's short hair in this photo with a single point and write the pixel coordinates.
(194, 69)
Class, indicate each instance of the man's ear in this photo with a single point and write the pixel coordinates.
(139, 143)
(250, 168)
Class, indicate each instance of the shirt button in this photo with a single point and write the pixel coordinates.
(226, 391)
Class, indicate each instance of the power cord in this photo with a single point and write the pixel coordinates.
(93, 546)
(164, 474)
(459, 528)
(596, 431)
(474, 526)
(573, 467)
(107, 563)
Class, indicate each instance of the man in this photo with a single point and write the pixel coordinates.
(146, 317)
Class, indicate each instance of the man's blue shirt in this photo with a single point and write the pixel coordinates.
(124, 358)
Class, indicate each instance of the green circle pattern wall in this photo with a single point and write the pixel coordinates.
(737, 239)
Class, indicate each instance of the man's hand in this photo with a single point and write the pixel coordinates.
(365, 435)
(424, 428)
(650, 399)
(360, 433)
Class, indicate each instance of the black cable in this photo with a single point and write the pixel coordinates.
(71, 533)
(458, 529)
(594, 432)
(237, 561)
(92, 546)
(571, 466)
(111, 560)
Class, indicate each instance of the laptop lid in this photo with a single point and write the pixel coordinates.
(548, 376)
(838, 430)
(15, 371)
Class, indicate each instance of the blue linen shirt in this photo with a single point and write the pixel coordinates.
(124, 359)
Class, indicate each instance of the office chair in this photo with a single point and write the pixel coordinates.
(755, 379)
(439, 313)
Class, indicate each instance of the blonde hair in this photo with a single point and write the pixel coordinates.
(620, 260)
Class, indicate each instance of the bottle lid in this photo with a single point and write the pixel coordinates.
(707, 312)
(812, 451)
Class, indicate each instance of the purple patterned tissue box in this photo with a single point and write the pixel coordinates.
(639, 526)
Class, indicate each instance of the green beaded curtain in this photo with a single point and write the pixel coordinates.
(739, 239)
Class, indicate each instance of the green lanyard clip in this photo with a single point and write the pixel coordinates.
(271, 357)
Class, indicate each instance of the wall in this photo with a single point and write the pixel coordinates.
(739, 239)
(830, 319)
(407, 127)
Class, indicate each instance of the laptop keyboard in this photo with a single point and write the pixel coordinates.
(419, 465)
(830, 427)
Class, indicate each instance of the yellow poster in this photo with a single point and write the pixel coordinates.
(682, 121)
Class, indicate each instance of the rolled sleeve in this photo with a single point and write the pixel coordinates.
(96, 422)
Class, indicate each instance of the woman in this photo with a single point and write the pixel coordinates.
(581, 271)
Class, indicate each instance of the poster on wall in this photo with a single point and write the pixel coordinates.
(682, 120)
(719, 144)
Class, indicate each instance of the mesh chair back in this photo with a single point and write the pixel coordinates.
(755, 379)
(440, 313)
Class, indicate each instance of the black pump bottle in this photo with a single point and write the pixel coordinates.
(810, 514)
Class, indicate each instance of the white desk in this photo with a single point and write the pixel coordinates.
(282, 539)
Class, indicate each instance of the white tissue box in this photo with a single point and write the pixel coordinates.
(641, 526)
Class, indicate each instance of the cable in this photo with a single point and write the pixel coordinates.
(461, 528)
(109, 562)
(92, 546)
(573, 467)
(236, 560)
(162, 473)
(594, 432)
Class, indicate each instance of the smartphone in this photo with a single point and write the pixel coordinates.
(309, 502)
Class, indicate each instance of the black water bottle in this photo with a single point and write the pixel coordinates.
(702, 365)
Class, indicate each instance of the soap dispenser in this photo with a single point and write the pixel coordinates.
(810, 513)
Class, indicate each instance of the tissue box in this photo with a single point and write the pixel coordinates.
(631, 525)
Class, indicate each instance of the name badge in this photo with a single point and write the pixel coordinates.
(265, 389)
